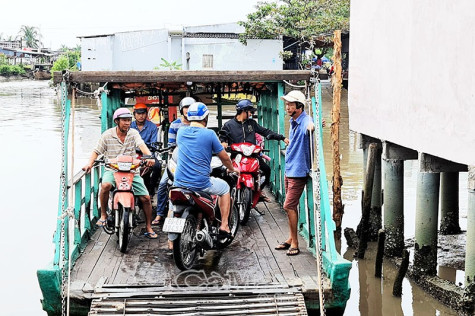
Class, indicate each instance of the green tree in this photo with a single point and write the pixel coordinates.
(67, 61)
(31, 35)
(308, 22)
(170, 66)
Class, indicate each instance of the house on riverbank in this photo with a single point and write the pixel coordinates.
(207, 47)
(414, 100)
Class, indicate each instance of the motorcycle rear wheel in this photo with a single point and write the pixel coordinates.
(184, 246)
(125, 229)
(245, 205)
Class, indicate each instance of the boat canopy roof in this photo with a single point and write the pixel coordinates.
(177, 81)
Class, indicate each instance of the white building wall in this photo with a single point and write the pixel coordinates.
(140, 50)
(230, 54)
(412, 74)
(143, 50)
(96, 53)
(175, 51)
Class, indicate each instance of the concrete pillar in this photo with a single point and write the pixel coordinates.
(427, 211)
(393, 206)
(449, 203)
(470, 247)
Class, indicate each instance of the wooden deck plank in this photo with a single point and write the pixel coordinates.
(250, 259)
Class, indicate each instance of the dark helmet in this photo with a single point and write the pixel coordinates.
(245, 105)
(186, 102)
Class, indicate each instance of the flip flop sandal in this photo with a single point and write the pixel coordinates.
(156, 221)
(101, 223)
(293, 251)
(282, 246)
(152, 235)
(224, 234)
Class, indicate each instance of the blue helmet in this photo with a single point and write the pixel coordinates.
(245, 105)
(197, 111)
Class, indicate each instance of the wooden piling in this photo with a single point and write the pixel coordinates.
(351, 238)
(397, 288)
(368, 192)
(380, 254)
(338, 208)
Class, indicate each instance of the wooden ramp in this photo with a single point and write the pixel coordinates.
(250, 261)
(246, 300)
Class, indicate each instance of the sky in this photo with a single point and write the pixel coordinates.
(61, 21)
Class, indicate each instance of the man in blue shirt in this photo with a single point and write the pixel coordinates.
(148, 131)
(172, 131)
(196, 145)
(297, 164)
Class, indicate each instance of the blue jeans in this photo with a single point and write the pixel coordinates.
(162, 195)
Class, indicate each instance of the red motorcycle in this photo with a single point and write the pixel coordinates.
(249, 183)
(121, 219)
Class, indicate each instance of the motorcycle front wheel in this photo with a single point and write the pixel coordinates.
(125, 231)
(245, 204)
(184, 246)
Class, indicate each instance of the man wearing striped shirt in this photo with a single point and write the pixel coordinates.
(172, 132)
(122, 140)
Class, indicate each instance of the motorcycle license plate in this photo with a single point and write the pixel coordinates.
(174, 224)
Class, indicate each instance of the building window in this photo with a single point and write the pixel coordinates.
(207, 61)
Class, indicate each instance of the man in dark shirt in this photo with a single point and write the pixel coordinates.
(242, 128)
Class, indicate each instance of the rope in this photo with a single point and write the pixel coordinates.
(63, 195)
(293, 85)
(95, 93)
(72, 193)
(315, 141)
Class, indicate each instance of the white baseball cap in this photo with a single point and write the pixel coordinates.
(294, 96)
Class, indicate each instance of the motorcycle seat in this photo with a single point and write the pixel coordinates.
(198, 193)
(204, 194)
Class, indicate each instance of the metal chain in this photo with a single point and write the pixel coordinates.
(64, 216)
(316, 193)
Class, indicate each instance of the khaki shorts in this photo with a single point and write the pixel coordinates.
(137, 184)
(293, 190)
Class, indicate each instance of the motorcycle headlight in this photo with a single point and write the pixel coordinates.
(124, 166)
(247, 150)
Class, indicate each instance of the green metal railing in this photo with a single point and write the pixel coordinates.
(273, 117)
(77, 209)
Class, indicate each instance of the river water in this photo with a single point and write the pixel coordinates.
(30, 131)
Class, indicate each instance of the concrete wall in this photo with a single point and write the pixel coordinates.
(230, 54)
(141, 50)
(412, 74)
(96, 53)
